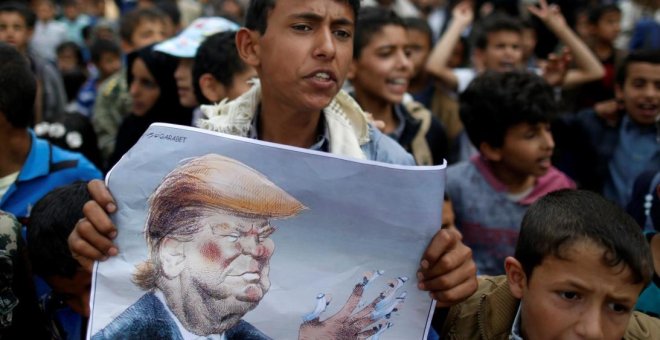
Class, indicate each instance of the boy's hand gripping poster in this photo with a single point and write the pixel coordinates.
(223, 237)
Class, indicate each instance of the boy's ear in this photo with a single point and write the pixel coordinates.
(171, 257)
(352, 70)
(247, 44)
(478, 59)
(212, 89)
(491, 153)
(515, 276)
(618, 92)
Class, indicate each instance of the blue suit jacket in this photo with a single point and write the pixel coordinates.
(148, 319)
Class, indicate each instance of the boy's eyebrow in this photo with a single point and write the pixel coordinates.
(612, 297)
(310, 16)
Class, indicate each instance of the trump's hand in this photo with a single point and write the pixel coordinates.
(353, 321)
(91, 239)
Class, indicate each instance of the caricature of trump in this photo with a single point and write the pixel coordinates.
(207, 230)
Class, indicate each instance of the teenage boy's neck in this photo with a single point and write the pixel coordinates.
(515, 183)
(14, 149)
(603, 49)
(289, 127)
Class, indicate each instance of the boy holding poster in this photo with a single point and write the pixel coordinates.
(301, 50)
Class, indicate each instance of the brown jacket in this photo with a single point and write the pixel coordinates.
(489, 313)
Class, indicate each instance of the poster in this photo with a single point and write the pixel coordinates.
(226, 237)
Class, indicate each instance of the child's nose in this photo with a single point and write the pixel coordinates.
(589, 325)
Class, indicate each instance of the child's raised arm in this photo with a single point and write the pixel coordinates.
(462, 17)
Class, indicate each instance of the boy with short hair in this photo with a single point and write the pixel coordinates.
(607, 155)
(296, 94)
(604, 23)
(48, 32)
(380, 73)
(17, 23)
(52, 220)
(498, 48)
(507, 117)
(29, 166)
(218, 71)
(137, 29)
(579, 266)
(106, 57)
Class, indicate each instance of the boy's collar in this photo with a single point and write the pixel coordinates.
(516, 327)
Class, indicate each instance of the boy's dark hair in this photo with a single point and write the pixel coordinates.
(596, 13)
(218, 56)
(420, 25)
(638, 56)
(18, 87)
(496, 101)
(493, 24)
(371, 21)
(170, 9)
(22, 10)
(129, 22)
(51, 221)
(101, 46)
(67, 3)
(70, 45)
(563, 218)
(256, 17)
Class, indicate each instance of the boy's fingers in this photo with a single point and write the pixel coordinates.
(90, 235)
(464, 270)
(99, 219)
(458, 293)
(99, 193)
(442, 241)
(82, 250)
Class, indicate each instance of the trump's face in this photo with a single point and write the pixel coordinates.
(228, 259)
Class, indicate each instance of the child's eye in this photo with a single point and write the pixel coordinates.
(569, 295)
(302, 27)
(343, 34)
(618, 308)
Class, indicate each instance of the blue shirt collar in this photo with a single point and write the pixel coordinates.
(38, 160)
(516, 333)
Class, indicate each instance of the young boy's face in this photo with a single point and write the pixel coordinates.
(73, 291)
(108, 64)
(67, 60)
(641, 92)
(526, 150)
(503, 52)
(71, 11)
(384, 67)
(574, 297)
(148, 32)
(14, 30)
(304, 54)
(608, 27)
(45, 11)
(184, 82)
(419, 48)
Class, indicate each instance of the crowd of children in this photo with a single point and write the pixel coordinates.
(548, 118)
